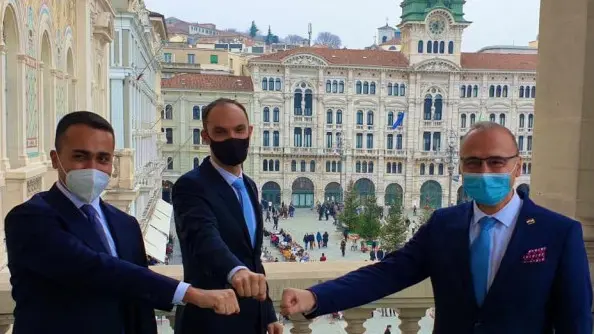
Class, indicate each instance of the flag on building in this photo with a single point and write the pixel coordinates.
(399, 120)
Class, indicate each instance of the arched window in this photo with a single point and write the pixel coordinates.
(389, 167)
(529, 169)
(358, 167)
(365, 87)
(522, 121)
(265, 84)
(372, 88)
(435, 46)
(431, 169)
(276, 115)
(303, 165)
(341, 87)
(358, 87)
(399, 142)
(422, 171)
(196, 112)
(438, 107)
(370, 167)
(530, 121)
(266, 138)
(169, 111)
(360, 117)
(420, 47)
(329, 116)
(492, 118)
(276, 165)
(451, 47)
(440, 169)
(472, 119)
(370, 117)
(328, 86)
(498, 91)
(533, 92)
(265, 165)
(390, 118)
(463, 91)
(492, 91)
(169, 163)
(339, 117)
(276, 139)
(293, 166)
(402, 90)
(334, 167)
(364, 167)
(524, 168)
(196, 162)
(335, 86)
(390, 89)
(427, 107)
(504, 91)
(277, 84)
(521, 91)
(270, 84)
(475, 91)
(469, 91)
(266, 115)
(196, 136)
(312, 166)
(327, 166)
(390, 142)
(463, 121)
(429, 47)
(399, 171)
(502, 119)
(442, 47)
(308, 103)
(298, 98)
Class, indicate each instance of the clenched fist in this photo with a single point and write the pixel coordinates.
(297, 301)
(221, 301)
(249, 284)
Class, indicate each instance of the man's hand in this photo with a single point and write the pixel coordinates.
(275, 328)
(297, 301)
(249, 284)
(221, 301)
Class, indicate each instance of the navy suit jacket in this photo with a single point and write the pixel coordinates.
(214, 239)
(64, 281)
(525, 298)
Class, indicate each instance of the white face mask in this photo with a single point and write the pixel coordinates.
(86, 184)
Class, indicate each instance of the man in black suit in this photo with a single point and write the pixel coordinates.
(220, 228)
(77, 264)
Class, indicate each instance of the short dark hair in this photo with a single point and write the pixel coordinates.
(483, 126)
(87, 118)
(206, 111)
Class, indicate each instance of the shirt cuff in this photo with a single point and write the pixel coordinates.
(233, 271)
(180, 292)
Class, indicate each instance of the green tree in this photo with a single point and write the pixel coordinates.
(394, 232)
(369, 220)
(270, 37)
(348, 216)
(253, 30)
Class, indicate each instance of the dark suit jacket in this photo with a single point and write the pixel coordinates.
(214, 239)
(63, 280)
(525, 298)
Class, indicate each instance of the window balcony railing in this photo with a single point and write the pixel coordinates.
(303, 119)
(526, 154)
(432, 123)
(394, 152)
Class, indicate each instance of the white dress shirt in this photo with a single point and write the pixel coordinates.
(182, 287)
(500, 234)
(230, 178)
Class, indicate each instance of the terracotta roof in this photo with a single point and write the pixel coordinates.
(499, 61)
(393, 41)
(209, 82)
(343, 57)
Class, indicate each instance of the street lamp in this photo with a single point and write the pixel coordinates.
(340, 151)
(451, 159)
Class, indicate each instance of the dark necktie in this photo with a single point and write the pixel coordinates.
(93, 218)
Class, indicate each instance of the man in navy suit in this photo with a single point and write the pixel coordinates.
(499, 264)
(77, 264)
(220, 228)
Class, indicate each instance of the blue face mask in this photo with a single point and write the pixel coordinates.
(487, 188)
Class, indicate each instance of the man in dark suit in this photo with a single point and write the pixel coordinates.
(77, 264)
(220, 228)
(499, 264)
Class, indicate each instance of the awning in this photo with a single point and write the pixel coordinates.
(157, 232)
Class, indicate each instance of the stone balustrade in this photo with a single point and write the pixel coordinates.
(412, 303)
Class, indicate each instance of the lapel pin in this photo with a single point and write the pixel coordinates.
(530, 221)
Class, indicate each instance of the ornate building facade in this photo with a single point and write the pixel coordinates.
(325, 117)
(53, 60)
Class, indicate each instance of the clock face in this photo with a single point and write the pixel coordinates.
(437, 27)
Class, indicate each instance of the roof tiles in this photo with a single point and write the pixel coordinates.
(209, 82)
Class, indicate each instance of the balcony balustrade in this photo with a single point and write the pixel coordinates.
(411, 304)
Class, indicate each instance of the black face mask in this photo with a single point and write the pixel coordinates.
(232, 151)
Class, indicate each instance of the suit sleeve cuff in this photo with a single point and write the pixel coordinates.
(233, 271)
(310, 313)
(180, 292)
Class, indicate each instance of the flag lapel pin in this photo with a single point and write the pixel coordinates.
(530, 221)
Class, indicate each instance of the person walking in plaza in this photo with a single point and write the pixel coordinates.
(342, 247)
(325, 239)
(498, 264)
(275, 217)
(220, 228)
(319, 239)
(77, 263)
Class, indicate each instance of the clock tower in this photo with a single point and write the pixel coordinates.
(432, 29)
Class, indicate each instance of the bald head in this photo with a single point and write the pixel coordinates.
(489, 133)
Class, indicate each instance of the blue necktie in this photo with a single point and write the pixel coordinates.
(244, 200)
(93, 218)
(480, 252)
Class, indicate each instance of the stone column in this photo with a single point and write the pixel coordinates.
(562, 179)
(409, 319)
(4, 164)
(300, 324)
(355, 318)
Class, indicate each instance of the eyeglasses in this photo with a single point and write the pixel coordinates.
(492, 162)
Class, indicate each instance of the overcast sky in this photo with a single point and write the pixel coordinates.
(506, 22)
